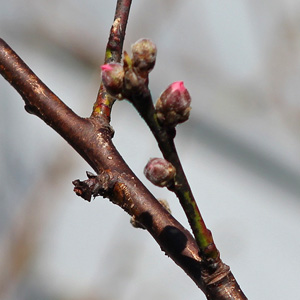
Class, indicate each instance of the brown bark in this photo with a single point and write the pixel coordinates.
(92, 139)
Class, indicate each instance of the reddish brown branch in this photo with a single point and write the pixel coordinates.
(91, 138)
(42, 102)
(39, 99)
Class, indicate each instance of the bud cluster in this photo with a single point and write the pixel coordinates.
(120, 79)
(173, 106)
(160, 172)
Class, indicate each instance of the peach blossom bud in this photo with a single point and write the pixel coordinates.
(112, 78)
(173, 106)
(143, 56)
(160, 172)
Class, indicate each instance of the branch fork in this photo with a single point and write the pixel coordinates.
(92, 139)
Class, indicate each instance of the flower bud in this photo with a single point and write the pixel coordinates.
(173, 106)
(112, 78)
(143, 56)
(160, 172)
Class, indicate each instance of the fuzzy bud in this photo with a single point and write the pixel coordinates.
(173, 106)
(160, 172)
(143, 56)
(112, 78)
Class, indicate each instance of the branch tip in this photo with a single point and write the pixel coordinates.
(113, 53)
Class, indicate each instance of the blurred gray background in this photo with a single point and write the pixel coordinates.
(240, 61)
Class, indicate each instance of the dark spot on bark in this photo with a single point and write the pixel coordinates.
(146, 220)
(173, 240)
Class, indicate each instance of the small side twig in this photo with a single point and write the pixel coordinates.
(95, 185)
(113, 53)
(136, 90)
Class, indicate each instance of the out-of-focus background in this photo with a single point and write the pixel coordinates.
(240, 61)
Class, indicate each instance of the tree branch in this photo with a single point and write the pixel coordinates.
(92, 139)
(164, 135)
(113, 53)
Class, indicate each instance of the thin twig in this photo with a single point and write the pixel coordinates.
(113, 53)
(164, 136)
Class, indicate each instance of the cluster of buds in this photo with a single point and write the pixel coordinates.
(173, 106)
(118, 79)
(160, 172)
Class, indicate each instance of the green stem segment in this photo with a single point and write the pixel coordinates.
(113, 53)
(165, 139)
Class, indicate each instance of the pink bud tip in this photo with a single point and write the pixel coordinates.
(178, 85)
(173, 106)
(112, 78)
(106, 67)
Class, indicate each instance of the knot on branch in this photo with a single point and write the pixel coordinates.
(95, 185)
(214, 270)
